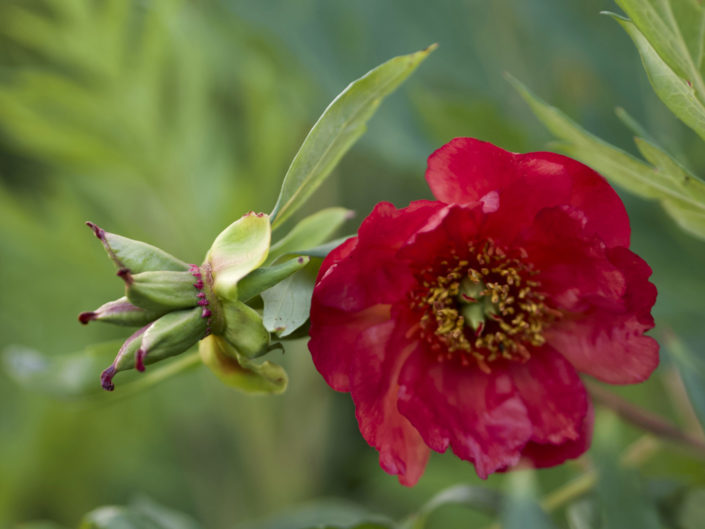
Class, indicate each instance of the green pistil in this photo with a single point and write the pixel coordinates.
(475, 304)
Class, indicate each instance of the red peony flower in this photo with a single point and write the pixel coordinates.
(464, 322)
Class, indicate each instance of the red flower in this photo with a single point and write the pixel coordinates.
(464, 322)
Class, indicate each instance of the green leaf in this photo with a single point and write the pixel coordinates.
(681, 194)
(621, 497)
(678, 93)
(236, 251)
(267, 276)
(323, 514)
(310, 232)
(521, 509)
(143, 514)
(324, 249)
(692, 511)
(692, 370)
(581, 515)
(340, 125)
(674, 28)
(287, 304)
(473, 497)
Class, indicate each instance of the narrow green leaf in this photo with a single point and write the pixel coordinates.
(323, 514)
(677, 93)
(143, 514)
(692, 370)
(622, 500)
(681, 194)
(287, 304)
(268, 276)
(624, 169)
(521, 509)
(324, 249)
(340, 125)
(674, 28)
(310, 232)
(633, 125)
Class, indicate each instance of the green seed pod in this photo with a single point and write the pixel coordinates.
(136, 256)
(237, 371)
(244, 329)
(171, 335)
(161, 290)
(263, 278)
(121, 312)
(125, 359)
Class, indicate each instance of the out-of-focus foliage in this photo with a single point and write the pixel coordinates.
(166, 120)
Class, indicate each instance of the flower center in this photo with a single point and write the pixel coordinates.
(481, 306)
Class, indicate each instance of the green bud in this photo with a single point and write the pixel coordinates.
(237, 371)
(244, 329)
(121, 312)
(237, 251)
(136, 256)
(263, 278)
(161, 290)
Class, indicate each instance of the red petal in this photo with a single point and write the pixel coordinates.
(609, 343)
(466, 170)
(335, 339)
(573, 268)
(374, 389)
(481, 416)
(368, 273)
(553, 394)
(548, 455)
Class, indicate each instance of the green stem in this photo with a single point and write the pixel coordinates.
(644, 419)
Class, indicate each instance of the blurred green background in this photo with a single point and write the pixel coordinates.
(165, 120)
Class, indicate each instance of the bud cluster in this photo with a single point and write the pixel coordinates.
(176, 305)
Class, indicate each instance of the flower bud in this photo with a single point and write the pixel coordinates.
(121, 312)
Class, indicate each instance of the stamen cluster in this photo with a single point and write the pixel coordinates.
(482, 306)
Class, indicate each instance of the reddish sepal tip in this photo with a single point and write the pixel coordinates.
(85, 317)
(125, 275)
(106, 379)
(98, 231)
(139, 360)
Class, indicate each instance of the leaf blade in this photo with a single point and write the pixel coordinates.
(340, 125)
